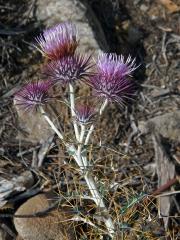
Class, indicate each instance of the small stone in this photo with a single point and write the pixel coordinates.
(54, 225)
(136, 2)
(144, 7)
(167, 125)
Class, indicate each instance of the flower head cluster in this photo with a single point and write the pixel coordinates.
(84, 114)
(58, 41)
(33, 95)
(112, 80)
(68, 69)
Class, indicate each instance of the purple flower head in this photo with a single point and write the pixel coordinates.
(68, 69)
(115, 64)
(84, 114)
(58, 41)
(32, 95)
(112, 80)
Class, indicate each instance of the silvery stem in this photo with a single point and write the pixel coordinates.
(89, 134)
(70, 148)
(92, 184)
(79, 150)
(83, 164)
(73, 114)
(102, 108)
(54, 128)
(99, 202)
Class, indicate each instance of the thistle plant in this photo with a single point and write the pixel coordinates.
(110, 79)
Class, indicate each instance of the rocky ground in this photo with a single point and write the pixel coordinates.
(138, 162)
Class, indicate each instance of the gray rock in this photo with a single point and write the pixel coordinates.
(167, 125)
(54, 225)
(52, 12)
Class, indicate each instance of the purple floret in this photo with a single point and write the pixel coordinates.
(113, 78)
(113, 63)
(58, 41)
(69, 69)
(33, 95)
(84, 114)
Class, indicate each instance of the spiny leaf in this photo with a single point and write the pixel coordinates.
(135, 199)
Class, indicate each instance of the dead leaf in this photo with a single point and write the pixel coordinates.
(14, 185)
(162, 127)
(166, 171)
(170, 5)
(3, 234)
